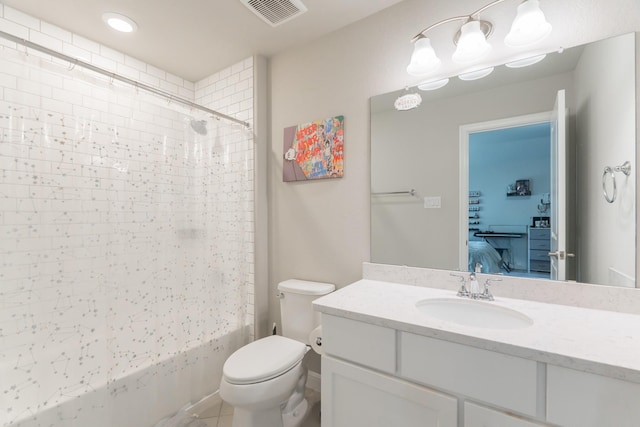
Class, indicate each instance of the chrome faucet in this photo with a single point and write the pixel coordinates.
(474, 287)
(486, 294)
(462, 292)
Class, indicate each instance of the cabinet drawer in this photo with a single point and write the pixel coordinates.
(362, 343)
(479, 416)
(540, 244)
(353, 396)
(544, 266)
(539, 233)
(506, 381)
(576, 398)
(539, 255)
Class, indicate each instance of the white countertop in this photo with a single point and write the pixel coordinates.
(597, 341)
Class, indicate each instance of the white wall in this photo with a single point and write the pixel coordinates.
(320, 230)
(603, 76)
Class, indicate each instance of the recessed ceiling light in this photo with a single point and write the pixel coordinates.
(119, 22)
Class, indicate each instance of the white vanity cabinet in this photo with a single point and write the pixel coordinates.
(357, 397)
(374, 376)
(370, 395)
(480, 374)
(582, 399)
(385, 359)
(480, 416)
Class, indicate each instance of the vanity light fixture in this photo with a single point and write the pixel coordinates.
(119, 22)
(424, 59)
(529, 27)
(472, 43)
(476, 75)
(525, 62)
(433, 85)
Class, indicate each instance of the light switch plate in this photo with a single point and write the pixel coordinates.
(433, 202)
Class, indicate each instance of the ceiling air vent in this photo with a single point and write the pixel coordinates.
(275, 12)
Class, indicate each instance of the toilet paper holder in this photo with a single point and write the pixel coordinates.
(315, 340)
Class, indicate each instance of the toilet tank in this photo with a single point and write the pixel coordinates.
(296, 310)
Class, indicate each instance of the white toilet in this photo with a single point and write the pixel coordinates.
(265, 381)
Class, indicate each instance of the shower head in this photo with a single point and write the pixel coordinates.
(199, 126)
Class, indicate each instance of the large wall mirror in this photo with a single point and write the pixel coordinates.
(472, 164)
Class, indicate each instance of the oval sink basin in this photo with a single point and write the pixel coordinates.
(477, 314)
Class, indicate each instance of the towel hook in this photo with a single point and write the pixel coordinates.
(625, 168)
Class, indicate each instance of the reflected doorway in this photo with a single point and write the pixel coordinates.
(505, 228)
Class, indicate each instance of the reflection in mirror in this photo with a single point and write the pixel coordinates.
(423, 168)
(497, 203)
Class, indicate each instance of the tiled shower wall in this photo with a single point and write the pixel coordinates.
(231, 91)
(126, 238)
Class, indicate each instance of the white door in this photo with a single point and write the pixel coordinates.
(558, 254)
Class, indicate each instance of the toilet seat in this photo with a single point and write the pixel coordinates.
(262, 360)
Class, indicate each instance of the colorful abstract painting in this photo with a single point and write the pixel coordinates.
(314, 150)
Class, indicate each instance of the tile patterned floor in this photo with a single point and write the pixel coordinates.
(221, 413)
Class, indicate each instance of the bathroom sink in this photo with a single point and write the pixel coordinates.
(477, 314)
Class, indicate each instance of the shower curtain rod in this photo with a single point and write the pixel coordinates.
(118, 77)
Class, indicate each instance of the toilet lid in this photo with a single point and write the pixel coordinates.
(263, 360)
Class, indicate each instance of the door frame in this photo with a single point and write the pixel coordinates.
(465, 132)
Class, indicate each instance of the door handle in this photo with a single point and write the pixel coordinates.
(561, 255)
(557, 254)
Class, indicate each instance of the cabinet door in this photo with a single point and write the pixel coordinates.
(363, 343)
(539, 255)
(356, 397)
(581, 399)
(543, 245)
(499, 379)
(540, 234)
(479, 416)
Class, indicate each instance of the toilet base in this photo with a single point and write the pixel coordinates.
(296, 416)
(271, 417)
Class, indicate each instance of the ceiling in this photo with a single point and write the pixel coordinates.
(195, 38)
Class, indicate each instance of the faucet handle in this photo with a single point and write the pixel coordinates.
(462, 292)
(486, 294)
